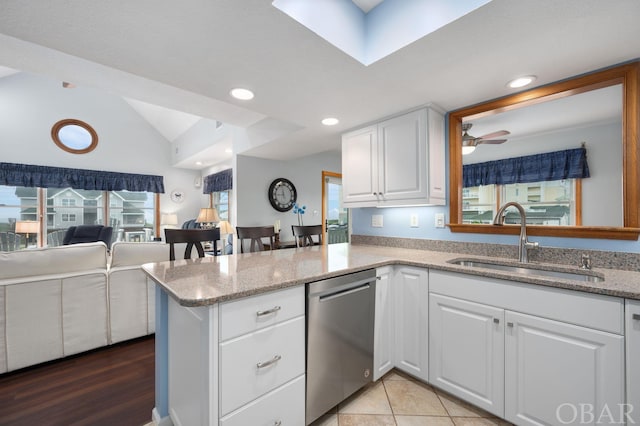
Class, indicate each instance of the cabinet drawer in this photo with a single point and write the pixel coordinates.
(241, 378)
(283, 406)
(253, 313)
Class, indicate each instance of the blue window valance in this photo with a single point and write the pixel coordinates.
(59, 177)
(222, 181)
(567, 164)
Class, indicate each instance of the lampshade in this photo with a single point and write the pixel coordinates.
(27, 227)
(169, 219)
(208, 215)
(226, 228)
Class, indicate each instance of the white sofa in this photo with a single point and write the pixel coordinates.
(60, 301)
(131, 292)
(53, 303)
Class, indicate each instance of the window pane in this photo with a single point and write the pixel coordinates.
(478, 204)
(71, 207)
(546, 203)
(221, 203)
(17, 204)
(132, 215)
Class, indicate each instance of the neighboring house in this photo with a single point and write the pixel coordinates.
(69, 207)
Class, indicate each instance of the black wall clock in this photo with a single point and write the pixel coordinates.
(282, 194)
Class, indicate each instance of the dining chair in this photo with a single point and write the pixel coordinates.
(255, 234)
(304, 235)
(193, 238)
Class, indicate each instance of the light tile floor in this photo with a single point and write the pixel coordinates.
(399, 400)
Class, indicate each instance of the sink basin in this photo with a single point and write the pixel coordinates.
(526, 269)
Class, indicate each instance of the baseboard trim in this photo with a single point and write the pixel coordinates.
(160, 421)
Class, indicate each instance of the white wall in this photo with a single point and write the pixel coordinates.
(254, 175)
(30, 105)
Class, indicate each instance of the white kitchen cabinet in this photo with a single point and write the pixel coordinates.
(383, 346)
(562, 348)
(411, 316)
(238, 362)
(632, 335)
(396, 162)
(553, 368)
(466, 355)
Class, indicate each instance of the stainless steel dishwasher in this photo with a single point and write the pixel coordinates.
(340, 319)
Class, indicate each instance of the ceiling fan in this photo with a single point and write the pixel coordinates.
(469, 142)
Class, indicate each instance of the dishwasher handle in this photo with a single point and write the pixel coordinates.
(344, 291)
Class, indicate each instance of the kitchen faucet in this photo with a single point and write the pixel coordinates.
(523, 245)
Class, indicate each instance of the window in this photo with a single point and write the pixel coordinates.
(132, 215)
(74, 136)
(220, 200)
(546, 203)
(66, 217)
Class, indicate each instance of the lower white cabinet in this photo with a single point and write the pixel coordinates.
(556, 371)
(268, 409)
(632, 335)
(466, 345)
(541, 366)
(411, 317)
(240, 362)
(383, 346)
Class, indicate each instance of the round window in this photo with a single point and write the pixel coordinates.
(74, 136)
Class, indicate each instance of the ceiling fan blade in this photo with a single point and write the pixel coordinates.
(495, 134)
(492, 141)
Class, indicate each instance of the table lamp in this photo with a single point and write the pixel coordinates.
(225, 230)
(208, 217)
(169, 220)
(27, 227)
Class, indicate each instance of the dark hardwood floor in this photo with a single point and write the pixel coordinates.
(110, 386)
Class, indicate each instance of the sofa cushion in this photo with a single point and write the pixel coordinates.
(53, 260)
(127, 254)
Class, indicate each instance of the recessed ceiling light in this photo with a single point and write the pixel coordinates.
(330, 121)
(228, 150)
(198, 163)
(521, 81)
(243, 94)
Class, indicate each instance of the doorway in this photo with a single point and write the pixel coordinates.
(335, 216)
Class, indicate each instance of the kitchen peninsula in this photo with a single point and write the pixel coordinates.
(207, 335)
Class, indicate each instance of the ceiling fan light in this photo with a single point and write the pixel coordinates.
(521, 81)
(466, 150)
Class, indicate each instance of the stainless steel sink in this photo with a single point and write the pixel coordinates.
(527, 269)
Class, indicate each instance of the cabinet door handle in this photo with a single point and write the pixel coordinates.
(635, 316)
(496, 320)
(268, 363)
(375, 193)
(509, 324)
(268, 311)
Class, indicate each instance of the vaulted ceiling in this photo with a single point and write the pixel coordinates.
(187, 56)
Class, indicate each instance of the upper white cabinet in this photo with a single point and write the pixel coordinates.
(395, 162)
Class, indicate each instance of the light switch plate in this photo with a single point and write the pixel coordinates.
(439, 220)
(376, 221)
(413, 221)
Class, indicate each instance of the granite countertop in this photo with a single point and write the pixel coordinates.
(208, 280)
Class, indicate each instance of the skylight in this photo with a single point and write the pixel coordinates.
(388, 27)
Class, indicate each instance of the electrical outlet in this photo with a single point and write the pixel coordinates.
(413, 221)
(439, 220)
(376, 221)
